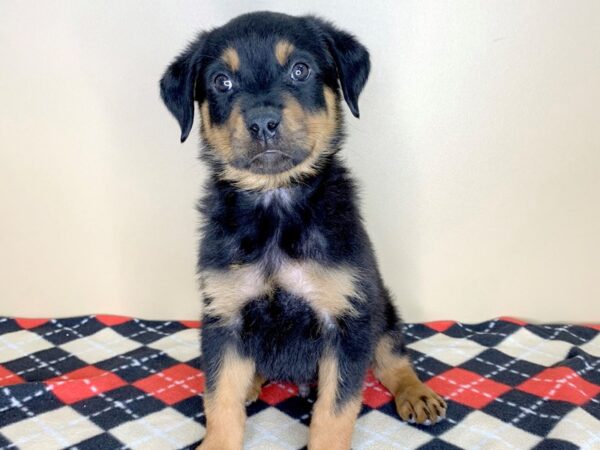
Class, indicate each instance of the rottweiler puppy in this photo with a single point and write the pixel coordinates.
(289, 279)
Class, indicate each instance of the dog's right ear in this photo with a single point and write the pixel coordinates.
(350, 56)
(178, 84)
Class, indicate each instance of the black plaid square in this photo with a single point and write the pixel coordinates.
(438, 444)
(118, 406)
(44, 364)
(61, 331)
(488, 334)
(145, 331)
(502, 368)
(555, 444)
(19, 402)
(193, 407)
(8, 325)
(528, 411)
(137, 364)
(101, 441)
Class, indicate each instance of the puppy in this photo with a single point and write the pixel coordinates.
(289, 279)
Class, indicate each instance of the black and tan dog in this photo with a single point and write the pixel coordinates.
(290, 282)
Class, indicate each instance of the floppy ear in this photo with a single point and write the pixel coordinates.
(351, 59)
(178, 82)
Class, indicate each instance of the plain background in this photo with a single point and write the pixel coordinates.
(478, 153)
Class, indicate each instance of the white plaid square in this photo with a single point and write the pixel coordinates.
(21, 343)
(99, 346)
(530, 347)
(578, 427)
(450, 350)
(272, 429)
(592, 347)
(182, 346)
(162, 430)
(480, 430)
(375, 431)
(56, 429)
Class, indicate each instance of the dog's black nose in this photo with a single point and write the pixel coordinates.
(263, 124)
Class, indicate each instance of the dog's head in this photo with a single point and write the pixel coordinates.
(267, 86)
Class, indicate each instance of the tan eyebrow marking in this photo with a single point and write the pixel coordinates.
(231, 58)
(283, 50)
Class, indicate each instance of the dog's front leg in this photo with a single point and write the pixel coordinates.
(225, 401)
(338, 403)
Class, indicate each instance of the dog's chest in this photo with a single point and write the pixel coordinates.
(326, 290)
(283, 335)
(280, 251)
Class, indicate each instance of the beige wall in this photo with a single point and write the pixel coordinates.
(478, 152)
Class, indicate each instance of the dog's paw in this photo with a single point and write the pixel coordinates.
(255, 388)
(419, 404)
(206, 445)
(253, 393)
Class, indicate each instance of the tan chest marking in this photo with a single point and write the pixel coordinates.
(229, 290)
(326, 289)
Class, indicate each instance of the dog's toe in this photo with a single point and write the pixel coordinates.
(253, 394)
(419, 404)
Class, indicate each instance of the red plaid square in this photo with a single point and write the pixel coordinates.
(274, 393)
(27, 324)
(467, 387)
(110, 320)
(440, 325)
(561, 383)
(7, 377)
(83, 383)
(375, 394)
(174, 384)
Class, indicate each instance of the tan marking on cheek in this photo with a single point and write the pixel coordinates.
(231, 57)
(323, 125)
(229, 290)
(294, 118)
(326, 289)
(331, 427)
(283, 50)
(222, 137)
(225, 406)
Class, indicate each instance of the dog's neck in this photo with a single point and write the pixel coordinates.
(284, 196)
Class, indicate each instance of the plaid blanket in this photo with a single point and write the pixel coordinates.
(107, 382)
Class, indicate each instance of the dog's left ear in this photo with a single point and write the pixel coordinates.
(351, 59)
(178, 83)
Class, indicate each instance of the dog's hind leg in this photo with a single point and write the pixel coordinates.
(415, 401)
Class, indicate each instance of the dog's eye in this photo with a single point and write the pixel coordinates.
(300, 72)
(223, 83)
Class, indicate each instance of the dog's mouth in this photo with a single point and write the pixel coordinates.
(272, 161)
(270, 154)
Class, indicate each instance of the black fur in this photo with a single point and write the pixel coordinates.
(317, 219)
